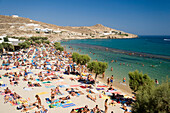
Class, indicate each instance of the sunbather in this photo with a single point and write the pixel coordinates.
(65, 98)
(7, 90)
(90, 96)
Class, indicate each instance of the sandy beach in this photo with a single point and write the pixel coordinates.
(44, 91)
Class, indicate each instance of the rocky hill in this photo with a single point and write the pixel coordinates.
(25, 27)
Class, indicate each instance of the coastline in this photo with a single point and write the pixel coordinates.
(132, 53)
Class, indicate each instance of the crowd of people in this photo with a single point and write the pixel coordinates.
(49, 60)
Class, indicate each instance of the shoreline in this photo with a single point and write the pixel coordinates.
(126, 52)
(116, 84)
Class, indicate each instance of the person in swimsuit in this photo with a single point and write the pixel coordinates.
(38, 99)
(65, 98)
(105, 105)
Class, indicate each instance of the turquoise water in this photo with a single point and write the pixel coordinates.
(146, 44)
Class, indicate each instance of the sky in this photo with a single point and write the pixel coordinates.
(141, 17)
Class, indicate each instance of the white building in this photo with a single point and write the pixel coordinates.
(15, 16)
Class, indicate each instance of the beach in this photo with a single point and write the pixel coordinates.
(63, 81)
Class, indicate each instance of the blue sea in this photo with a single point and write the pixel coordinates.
(152, 55)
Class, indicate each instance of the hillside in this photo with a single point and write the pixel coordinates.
(25, 27)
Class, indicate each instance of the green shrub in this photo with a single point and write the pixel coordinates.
(137, 79)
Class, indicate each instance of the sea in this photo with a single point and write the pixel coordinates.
(147, 54)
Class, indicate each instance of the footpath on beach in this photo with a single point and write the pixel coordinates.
(45, 80)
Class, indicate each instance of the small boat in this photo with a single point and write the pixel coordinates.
(167, 39)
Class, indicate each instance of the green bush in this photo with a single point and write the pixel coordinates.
(151, 99)
(137, 79)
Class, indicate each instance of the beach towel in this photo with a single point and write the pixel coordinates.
(30, 72)
(101, 86)
(46, 82)
(64, 86)
(105, 97)
(83, 87)
(41, 93)
(28, 89)
(95, 91)
(61, 83)
(3, 85)
(74, 85)
(108, 93)
(112, 91)
(37, 80)
(68, 105)
(116, 92)
(52, 86)
(59, 80)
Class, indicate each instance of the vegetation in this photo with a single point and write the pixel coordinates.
(6, 39)
(97, 67)
(80, 59)
(151, 99)
(58, 46)
(136, 80)
(7, 46)
(38, 38)
(25, 44)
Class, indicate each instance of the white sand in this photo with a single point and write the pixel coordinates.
(80, 101)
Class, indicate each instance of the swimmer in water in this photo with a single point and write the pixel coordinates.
(111, 68)
(156, 81)
(124, 79)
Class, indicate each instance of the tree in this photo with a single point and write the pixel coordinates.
(137, 79)
(37, 41)
(151, 99)
(1, 48)
(7, 46)
(97, 67)
(58, 46)
(80, 59)
(47, 42)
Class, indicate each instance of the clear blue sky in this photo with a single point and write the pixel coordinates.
(142, 17)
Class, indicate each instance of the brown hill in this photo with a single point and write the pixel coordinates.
(25, 27)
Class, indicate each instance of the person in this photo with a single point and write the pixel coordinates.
(7, 90)
(103, 74)
(96, 109)
(111, 79)
(38, 99)
(89, 96)
(111, 68)
(105, 105)
(124, 79)
(73, 111)
(65, 98)
(156, 81)
(108, 81)
(111, 87)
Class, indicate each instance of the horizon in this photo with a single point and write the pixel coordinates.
(140, 17)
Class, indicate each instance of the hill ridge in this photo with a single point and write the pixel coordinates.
(25, 27)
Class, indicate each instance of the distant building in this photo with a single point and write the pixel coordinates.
(15, 16)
